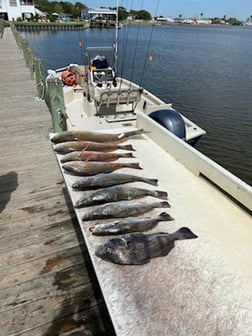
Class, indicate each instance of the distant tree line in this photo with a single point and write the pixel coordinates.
(123, 14)
(60, 7)
(75, 9)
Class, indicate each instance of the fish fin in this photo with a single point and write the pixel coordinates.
(84, 149)
(89, 157)
(125, 241)
(135, 237)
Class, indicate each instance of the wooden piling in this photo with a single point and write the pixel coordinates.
(56, 104)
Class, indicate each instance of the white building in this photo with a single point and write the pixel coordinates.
(95, 13)
(162, 20)
(13, 9)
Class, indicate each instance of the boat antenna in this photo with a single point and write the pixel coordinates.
(125, 46)
(147, 57)
(116, 39)
(135, 48)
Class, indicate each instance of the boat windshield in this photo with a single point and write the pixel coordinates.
(101, 57)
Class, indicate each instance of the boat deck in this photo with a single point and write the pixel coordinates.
(47, 283)
(47, 287)
(203, 286)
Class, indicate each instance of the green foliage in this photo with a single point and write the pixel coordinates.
(234, 22)
(143, 15)
(75, 9)
(60, 7)
(122, 13)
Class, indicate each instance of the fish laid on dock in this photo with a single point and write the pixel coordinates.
(129, 225)
(94, 136)
(107, 180)
(121, 209)
(139, 248)
(94, 156)
(72, 146)
(117, 193)
(82, 168)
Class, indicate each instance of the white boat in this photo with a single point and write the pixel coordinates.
(203, 286)
(98, 94)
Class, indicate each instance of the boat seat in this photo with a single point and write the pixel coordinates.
(118, 97)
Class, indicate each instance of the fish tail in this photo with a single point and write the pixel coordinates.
(164, 205)
(127, 155)
(164, 216)
(126, 147)
(135, 132)
(153, 182)
(160, 194)
(134, 165)
(184, 233)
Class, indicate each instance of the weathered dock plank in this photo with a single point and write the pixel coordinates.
(47, 283)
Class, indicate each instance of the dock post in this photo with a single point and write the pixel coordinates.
(56, 104)
(40, 78)
(30, 61)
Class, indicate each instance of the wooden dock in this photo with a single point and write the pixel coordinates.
(47, 283)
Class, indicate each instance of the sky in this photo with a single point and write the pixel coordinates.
(240, 9)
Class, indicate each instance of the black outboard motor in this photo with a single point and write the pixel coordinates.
(171, 120)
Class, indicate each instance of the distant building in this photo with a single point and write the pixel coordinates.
(162, 20)
(248, 22)
(203, 21)
(13, 9)
(63, 17)
(97, 14)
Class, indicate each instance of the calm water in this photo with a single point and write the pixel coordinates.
(205, 71)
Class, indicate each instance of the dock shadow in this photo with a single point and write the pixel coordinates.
(8, 184)
(78, 314)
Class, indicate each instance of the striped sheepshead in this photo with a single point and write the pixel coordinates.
(139, 248)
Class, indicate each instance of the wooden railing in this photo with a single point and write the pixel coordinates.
(49, 91)
(35, 65)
